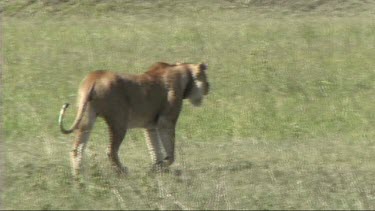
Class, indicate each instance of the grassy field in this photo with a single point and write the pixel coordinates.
(289, 122)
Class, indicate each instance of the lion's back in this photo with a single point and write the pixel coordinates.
(141, 96)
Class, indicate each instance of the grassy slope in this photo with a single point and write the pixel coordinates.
(289, 123)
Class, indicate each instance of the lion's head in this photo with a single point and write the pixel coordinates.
(198, 86)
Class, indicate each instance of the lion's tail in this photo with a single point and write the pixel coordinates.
(81, 110)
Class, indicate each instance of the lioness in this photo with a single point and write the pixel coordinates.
(152, 100)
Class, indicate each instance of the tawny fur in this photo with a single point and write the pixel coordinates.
(152, 100)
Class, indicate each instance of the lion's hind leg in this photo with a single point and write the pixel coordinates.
(81, 138)
(117, 132)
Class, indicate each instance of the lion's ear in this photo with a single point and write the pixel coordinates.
(203, 66)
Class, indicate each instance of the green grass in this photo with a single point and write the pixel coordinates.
(289, 122)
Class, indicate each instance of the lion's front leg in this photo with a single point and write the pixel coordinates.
(154, 147)
(167, 136)
(166, 127)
